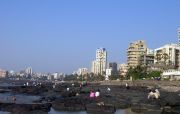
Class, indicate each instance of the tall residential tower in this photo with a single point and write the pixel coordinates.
(100, 64)
(167, 54)
(29, 71)
(134, 52)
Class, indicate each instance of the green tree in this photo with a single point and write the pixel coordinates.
(129, 73)
(70, 78)
(139, 72)
(154, 74)
(92, 77)
(99, 78)
(114, 77)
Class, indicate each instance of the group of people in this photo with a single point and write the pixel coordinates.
(154, 94)
(94, 94)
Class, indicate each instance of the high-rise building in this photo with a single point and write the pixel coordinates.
(100, 64)
(167, 54)
(82, 71)
(55, 75)
(108, 73)
(94, 67)
(147, 59)
(113, 67)
(29, 71)
(134, 52)
(179, 36)
(111, 70)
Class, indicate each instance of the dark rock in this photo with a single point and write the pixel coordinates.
(23, 108)
(69, 104)
(103, 109)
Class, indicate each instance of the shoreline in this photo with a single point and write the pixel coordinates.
(119, 97)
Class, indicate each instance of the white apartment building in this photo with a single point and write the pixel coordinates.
(100, 64)
(55, 75)
(123, 68)
(171, 74)
(29, 71)
(134, 52)
(150, 51)
(2, 73)
(82, 71)
(168, 54)
(108, 73)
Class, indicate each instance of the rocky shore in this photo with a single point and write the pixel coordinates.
(77, 97)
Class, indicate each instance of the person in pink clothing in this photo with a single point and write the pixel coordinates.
(92, 94)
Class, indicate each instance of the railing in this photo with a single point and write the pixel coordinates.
(171, 72)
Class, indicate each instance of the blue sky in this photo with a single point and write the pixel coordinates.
(63, 35)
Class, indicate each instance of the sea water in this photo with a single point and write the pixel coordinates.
(123, 111)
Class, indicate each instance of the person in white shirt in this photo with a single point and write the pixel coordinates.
(108, 90)
(127, 86)
(155, 94)
(97, 94)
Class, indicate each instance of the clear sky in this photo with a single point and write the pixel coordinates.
(63, 35)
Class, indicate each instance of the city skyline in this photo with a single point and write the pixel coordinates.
(61, 36)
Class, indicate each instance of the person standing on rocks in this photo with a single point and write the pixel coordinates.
(151, 94)
(92, 94)
(108, 90)
(14, 98)
(27, 83)
(54, 86)
(72, 84)
(157, 95)
(154, 94)
(97, 94)
(127, 86)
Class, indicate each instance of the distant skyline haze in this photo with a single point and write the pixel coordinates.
(61, 35)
